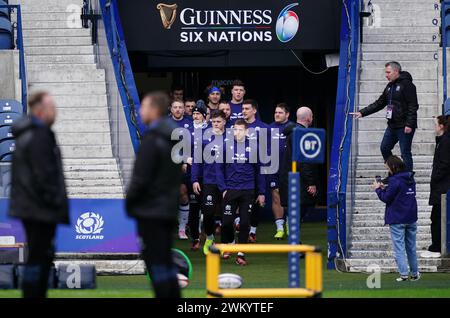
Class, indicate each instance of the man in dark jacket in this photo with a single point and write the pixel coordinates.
(308, 173)
(400, 99)
(152, 196)
(38, 191)
(439, 184)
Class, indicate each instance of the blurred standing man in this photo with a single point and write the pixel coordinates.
(226, 108)
(308, 173)
(281, 117)
(152, 195)
(182, 121)
(400, 99)
(189, 104)
(177, 93)
(38, 190)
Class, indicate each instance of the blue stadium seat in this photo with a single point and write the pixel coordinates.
(6, 34)
(10, 106)
(7, 147)
(4, 12)
(7, 119)
(5, 133)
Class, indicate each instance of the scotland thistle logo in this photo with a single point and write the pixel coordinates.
(287, 24)
(89, 223)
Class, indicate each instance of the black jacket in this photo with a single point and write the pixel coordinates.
(38, 190)
(440, 176)
(404, 100)
(308, 172)
(155, 185)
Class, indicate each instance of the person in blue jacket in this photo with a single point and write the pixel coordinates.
(277, 128)
(239, 180)
(401, 216)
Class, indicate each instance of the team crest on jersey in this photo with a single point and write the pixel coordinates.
(227, 210)
(186, 125)
(240, 157)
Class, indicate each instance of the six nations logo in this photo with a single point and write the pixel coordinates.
(89, 226)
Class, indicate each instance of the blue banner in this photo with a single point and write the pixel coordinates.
(96, 226)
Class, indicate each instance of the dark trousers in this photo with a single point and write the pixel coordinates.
(234, 199)
(390, 139)
(435, 229)
(40, 257)
(194, 214)
(256, 212)
(156, 245)
(211, 198)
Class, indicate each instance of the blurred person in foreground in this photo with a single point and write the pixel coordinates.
(38, 190)
(152, 196)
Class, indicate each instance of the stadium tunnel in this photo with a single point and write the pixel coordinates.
(297, 72)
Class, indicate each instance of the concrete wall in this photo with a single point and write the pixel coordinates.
(10, 87)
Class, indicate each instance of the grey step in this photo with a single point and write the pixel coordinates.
(425, 111)
(373, 195)
(392, 269)
(62, 77)
(419, 187)
(400, 30)
(380, 222)
(86, 126)
(399, 56)
(370, 254)
(420, 74)
(66, 58)
(89, 88)
(95, 190)
(402, 38)
(369, 136)
(425, 209)
(418, 21)
(111, 267)
(382, 245)
(408, 12)
(383, 237)
(60, 50)
(83, 113)
(91, 175)
(39, 67)
(51, 24)
(423, 98)
(57, 41)
(379, 216)
(372, 86)
(369, 181)
(391, 262)
(90, 161)
(88, 151)
(80, 100)
(93, 182)
(75, 138)
(80, 167)
(404, 47)
(97, 196)
(371, 159)
(374, 203)
(406, 66)
(366, 173)
(417, 148)
(52, 16)
(37, 33)
(368, 123)
(385, 230)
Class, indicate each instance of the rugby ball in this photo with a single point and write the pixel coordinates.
(230, 281)
(183, 281)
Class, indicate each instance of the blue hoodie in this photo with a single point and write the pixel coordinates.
(400, 199)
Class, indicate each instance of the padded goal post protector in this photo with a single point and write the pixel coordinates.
(76, 276)
(7, 277)
(20, 269)
(182, 263)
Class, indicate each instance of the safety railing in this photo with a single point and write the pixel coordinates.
(313, 271)
(341, 150)
(19, 46)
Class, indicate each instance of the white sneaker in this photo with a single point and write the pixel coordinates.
(415, 278)
(402, 279)
(182, 235)
(428, 254)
